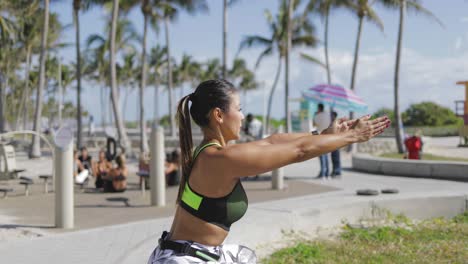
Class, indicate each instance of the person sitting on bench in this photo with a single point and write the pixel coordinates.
(103, 166)
(80, 174)
(87, 160)
(116, 181)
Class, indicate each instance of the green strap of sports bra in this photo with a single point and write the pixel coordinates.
(199, 150)
(188, 196)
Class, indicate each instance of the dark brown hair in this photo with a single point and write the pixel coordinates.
(207, 96)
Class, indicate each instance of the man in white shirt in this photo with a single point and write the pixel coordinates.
(322, 121)
(254, 127)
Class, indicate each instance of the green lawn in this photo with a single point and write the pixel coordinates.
(433, 241)
(425, 156)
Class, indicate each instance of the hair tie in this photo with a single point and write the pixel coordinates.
(191, 97)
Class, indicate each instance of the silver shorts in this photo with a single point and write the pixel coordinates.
(227, 253)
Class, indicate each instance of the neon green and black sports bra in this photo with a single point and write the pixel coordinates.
(221, 211)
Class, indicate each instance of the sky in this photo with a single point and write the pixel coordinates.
(434, 57)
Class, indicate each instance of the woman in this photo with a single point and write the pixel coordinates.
(103, 166)
(211, 196)
(117, 179)
(172, 169)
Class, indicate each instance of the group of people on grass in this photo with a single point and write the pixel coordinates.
(109, 176)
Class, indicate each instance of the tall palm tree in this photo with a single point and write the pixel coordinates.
(169, 10)
(30, 37)
(77, 6)
(8, 35)
(123, 138)
(323, 9)
(226, 4)
(286, 62)
(36, 150)
(149, 16)
(302, 34)
(364, 10)
(98, 48)
(416, 7)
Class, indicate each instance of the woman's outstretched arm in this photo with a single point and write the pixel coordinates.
(248, 159)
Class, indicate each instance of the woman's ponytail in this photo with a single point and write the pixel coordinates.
(186, 143)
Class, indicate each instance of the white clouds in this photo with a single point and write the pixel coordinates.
(464, 19)
(422, 78)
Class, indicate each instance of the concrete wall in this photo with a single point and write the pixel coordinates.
(446, 170)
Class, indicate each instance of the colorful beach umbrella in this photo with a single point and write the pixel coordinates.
(335, 96)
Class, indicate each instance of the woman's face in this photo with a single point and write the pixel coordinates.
(102, 156)
(232, 119)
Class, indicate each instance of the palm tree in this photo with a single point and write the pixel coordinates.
(226, 4)
(30, 37)
(323, 8)
(187, 70)
(8, 35)
(77, 6)
(242, 77)
(402, 5)
(123, 138)
(36, 150)
(157, 63)
(363, 10)
(302, 34)
(169, 11)
(97, 49)
(286, 62)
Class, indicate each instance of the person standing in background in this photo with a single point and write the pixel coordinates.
(335, 155)
(91, 126)
(321, 122)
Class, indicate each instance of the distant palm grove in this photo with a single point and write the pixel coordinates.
(33, 79)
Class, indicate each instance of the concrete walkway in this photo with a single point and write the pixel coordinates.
(262, 226)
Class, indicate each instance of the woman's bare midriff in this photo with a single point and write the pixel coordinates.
(189, 227)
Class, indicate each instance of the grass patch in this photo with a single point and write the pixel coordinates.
(437, 240)
(425, 156)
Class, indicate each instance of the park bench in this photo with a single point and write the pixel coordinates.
(144, 181)
(8, 169)
(46, 178)
(26, 182)
(5, 191)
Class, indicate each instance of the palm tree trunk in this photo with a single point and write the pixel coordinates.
(224, 37)
(144, 68)
(22, 111)
(36, 147)
(270, 97)
(355, 62)
(156, 105)
(76, 18)
(327, 61)
(399, 124)
(356, 53)
(2, 102)
(169, 80)
(286, 75)
(123, 139)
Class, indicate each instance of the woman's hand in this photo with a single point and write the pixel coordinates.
(364, 129)
(339, 125)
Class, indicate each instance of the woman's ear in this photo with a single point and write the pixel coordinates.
(217, 114)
